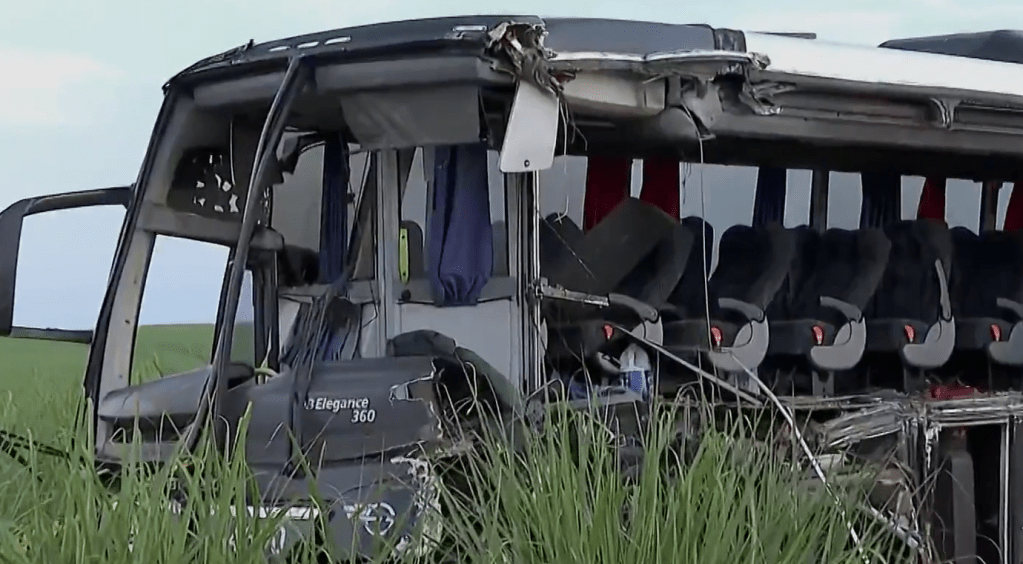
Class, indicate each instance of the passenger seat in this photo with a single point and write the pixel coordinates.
(605, 256)
(910, 324)
(817, 326)
(635, 255)
(752, 266)
(987, 299)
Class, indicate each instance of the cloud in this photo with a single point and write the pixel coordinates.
(45, 87)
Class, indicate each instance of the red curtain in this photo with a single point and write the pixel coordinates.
(607, 184)
(661, 184)
(1014, 213)
(932, 200)
(609, 179)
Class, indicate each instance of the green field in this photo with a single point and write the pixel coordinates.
(727, 504)
(40, 381)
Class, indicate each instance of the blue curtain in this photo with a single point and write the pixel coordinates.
(769, 201)
(882, 199)
(333, 208)
(460, 236)
(333, 231)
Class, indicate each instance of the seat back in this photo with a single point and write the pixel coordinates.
(657, 274)
(801, 268)
(963, 281)
(753, 263)
(1008, 247)
(560, 238)
(910, 288)
(848, 266)
(986, 267)
(689, 295)
(614, 248)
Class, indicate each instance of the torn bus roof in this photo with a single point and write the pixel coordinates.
(1004, 45)
(597, 44)
(462, 35)
(910, 71)
(443, 81)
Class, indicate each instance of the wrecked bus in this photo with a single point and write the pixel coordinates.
(498, 205)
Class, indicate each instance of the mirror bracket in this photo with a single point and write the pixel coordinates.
(531, 137)
(11, 221)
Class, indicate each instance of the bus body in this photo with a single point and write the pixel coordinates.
(405, 200)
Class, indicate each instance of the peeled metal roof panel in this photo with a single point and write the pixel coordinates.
(1002, 45)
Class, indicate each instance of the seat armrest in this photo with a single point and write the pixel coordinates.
(746, 309)
(944, 298)
(851, 312)
(1011, 306)
(645, 311)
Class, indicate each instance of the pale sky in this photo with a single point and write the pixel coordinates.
(80, 89)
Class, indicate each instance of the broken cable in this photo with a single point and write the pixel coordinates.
(805, 447)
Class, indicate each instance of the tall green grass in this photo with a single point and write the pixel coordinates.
(556, 495)
(719, 498)
(70, 515)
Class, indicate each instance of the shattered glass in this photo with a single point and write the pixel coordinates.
(204, 184)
